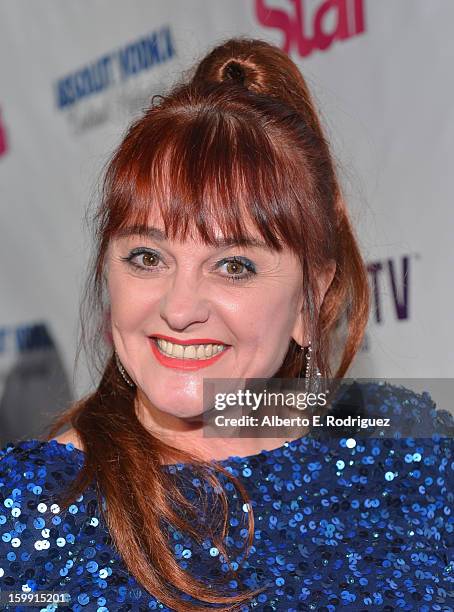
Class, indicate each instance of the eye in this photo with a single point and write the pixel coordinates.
(238, 268)
(148, 259)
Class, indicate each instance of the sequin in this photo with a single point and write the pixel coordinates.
(341, 523)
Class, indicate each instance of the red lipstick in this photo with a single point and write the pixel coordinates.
(185, 364)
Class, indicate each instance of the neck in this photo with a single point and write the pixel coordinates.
(195, 434)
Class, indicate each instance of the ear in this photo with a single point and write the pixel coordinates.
(325, 278)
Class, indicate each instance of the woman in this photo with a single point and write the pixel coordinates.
(224, 247)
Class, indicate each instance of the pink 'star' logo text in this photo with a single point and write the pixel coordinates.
(3, 139)
(331, 20)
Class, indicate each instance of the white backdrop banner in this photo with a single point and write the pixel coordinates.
(74, 74)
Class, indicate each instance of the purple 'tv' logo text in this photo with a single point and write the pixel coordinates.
(3, 138)
(397, 286)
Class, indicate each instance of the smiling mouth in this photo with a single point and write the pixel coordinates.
(196, 352)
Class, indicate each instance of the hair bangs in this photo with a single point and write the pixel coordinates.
(206, 175)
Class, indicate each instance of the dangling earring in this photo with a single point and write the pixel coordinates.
(122, 371)
(307, 373)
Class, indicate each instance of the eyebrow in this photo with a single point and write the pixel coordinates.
(154, 233)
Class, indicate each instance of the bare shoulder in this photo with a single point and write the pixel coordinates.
(69, 436)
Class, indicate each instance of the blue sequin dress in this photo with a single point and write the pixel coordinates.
(341, 523)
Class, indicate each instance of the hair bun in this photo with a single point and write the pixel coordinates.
(234, 71)
(260, 68)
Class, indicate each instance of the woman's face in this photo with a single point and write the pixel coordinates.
(226, 312)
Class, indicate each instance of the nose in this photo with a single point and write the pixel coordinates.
(182, 303)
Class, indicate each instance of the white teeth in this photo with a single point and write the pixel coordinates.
(177, 350)
(189, 351)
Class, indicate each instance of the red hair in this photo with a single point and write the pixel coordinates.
(238, 143)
